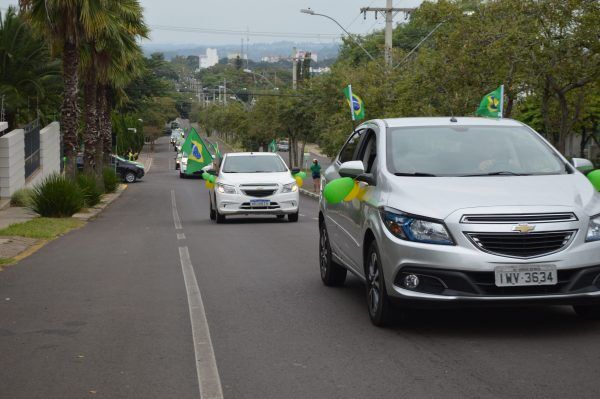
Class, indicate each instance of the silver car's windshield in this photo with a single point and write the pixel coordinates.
(469, 151)
(253, 164)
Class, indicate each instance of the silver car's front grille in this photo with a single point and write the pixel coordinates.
(518, 245)
(259, 193)
(519, 218)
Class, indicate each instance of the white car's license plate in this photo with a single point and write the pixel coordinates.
(259, 203)
(524, 275)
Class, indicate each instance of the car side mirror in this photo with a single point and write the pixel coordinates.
(212, 172)
(368, 178)
(352, 169)
(582, 164)
(295, 170)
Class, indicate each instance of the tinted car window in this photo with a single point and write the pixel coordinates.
(348, 151)
(469, 150)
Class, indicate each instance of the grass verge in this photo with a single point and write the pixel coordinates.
(42, 228)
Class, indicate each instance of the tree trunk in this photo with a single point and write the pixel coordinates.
(70, 108)
(105, 110)
(303, 147)
(90, 134)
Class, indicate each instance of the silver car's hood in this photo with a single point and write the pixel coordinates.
(438, 197)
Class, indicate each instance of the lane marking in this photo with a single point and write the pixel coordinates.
(209, 381)
(315, 218)
(180, 236)
(300, 214)
(170, 163)
(176, 218)
(149, 165)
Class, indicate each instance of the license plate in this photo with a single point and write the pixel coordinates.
(525, 275)
(259, 203)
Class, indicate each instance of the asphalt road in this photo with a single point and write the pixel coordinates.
(103, 313)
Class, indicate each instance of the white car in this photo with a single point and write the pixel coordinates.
(254, 184)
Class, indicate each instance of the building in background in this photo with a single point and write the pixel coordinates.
(210, 59)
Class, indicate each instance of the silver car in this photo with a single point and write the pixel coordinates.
(461, 212)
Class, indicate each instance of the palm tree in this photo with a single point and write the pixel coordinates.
(29, 77)
(66, 23)
(105, 56)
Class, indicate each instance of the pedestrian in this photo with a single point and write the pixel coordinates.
(130, 154)
(315, 168)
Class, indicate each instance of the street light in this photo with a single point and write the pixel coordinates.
(308, 11)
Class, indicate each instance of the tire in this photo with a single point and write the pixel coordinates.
(213, 214)
(293, 217)
(181, 175)
(219, 218)
(130, 177)
(332, 274)
(589, 312)
(378, 304)
(280, 216)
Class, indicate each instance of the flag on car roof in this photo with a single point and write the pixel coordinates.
(357, 106)
(198, 155)
(492, 103)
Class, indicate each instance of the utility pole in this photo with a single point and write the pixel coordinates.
(294, 70)
(389, 12)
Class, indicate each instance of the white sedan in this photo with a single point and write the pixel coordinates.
(254, 184)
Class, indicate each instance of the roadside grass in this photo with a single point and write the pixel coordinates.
(42, 228)
(6, 261)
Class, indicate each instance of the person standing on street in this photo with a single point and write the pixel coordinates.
(315, 169)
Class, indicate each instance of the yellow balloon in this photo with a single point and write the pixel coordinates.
(354, 193)
(209, 185)
(361, 193)
(299, 181)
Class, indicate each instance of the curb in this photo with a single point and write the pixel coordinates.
(91, 213)
(309, 194)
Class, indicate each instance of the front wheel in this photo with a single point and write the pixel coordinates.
(293, 217)
(380, 309)
(590, 312)
(213, 214)
(332, 274)
(130, 177)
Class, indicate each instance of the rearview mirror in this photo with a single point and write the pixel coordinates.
(295, 170)
(582, 165)
(352, 169)
(212, 172)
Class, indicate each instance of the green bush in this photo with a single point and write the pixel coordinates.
(21, 197)
(111, 180)
(90, 187)
(57, 196)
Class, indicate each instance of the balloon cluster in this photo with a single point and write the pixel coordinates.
(299, 177)
(595, 178)
(343, 189)
(209, 180)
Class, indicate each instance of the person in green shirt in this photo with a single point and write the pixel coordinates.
(315, 169)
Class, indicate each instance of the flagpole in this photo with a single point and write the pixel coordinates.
(501, 114)
(351, 104)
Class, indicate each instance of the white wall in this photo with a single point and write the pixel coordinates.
(12, 159)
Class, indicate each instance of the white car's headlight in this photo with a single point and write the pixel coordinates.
(226, 188)
(289, 188)
(414, 228)
(593, 233)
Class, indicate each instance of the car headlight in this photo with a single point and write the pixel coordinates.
(289, 188)
(226, 188)
(413, 228)
(593, 233)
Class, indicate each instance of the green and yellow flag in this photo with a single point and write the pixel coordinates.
(198, 155)
(356, 104)
(492, 103)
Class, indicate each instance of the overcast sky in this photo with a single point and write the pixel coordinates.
(268, 16)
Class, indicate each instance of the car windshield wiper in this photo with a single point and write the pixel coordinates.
(416, 174)
(499, 173)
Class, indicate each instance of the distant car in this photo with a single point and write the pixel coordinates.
(254, 184)
(283, 146)
(178, 160)
(130, 171)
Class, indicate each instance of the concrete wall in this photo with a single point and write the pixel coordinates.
(12, 159)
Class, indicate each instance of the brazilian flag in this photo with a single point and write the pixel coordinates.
(356, 104)
(198, 155)
(492, 103)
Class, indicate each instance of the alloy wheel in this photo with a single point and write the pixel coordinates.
(374, 285)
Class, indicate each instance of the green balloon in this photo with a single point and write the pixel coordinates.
(595, 178)
(205, 176)
(302, 175)
(336, 190)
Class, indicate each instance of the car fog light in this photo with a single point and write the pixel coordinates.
(411, 281)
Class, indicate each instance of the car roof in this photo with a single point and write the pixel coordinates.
(261, 154)
(447, 121)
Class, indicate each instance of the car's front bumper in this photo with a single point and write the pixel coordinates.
(239, 204)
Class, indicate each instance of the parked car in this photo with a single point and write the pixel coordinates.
(283, 146)
(461, 212)
(130, 171)
(254, 184)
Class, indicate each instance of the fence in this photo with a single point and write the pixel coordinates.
(32, 147)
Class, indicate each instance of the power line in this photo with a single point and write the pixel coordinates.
(302, 35)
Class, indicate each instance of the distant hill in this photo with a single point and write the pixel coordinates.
(255, 51)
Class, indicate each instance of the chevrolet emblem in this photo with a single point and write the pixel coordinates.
(524, 228)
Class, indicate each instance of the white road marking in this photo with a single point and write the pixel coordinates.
(170, 163)
(180, 236)
(300, 214)
(315, 218)
(176, 218)
(209, 381)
